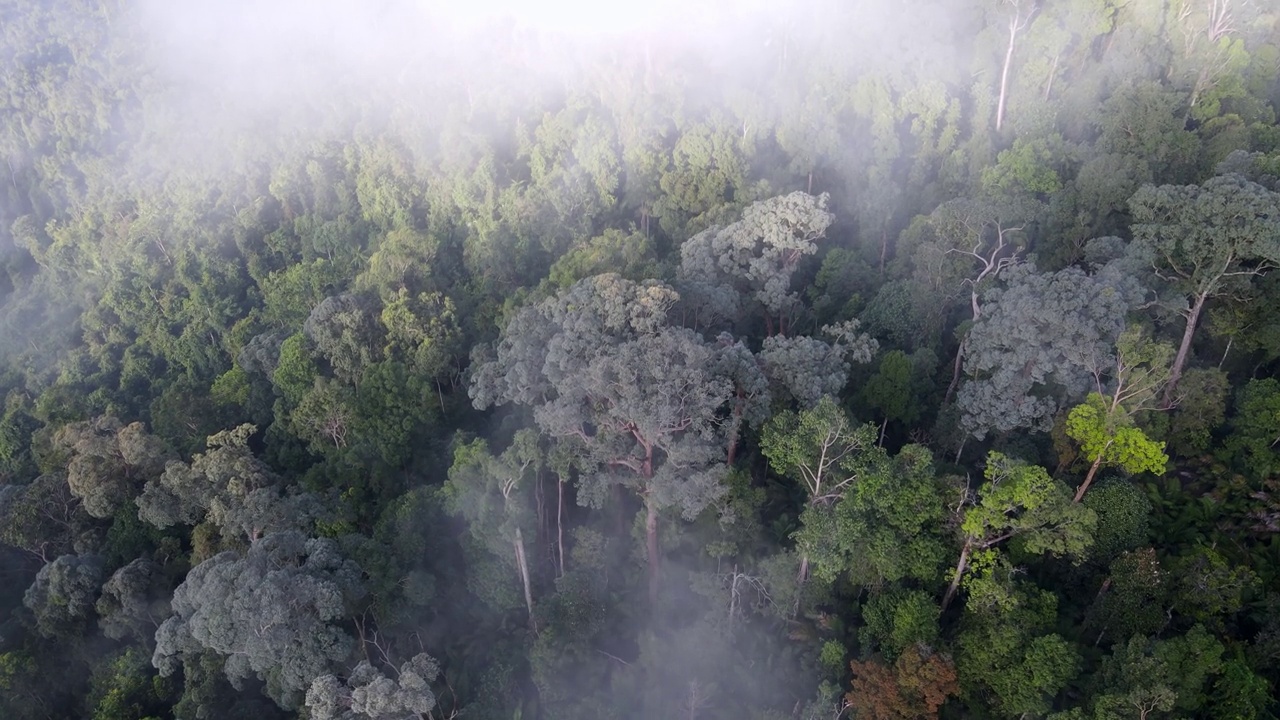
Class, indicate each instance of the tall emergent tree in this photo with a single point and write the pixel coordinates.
(1020, 500)
(636, 397)
(482, 486)
(1205, 241)
(750, 262)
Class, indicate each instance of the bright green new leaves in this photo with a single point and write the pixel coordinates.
(1019, 501)
(1022, 501)
(1108, 438)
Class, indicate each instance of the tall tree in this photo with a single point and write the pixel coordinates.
(753, 260)
(603, 370)
(823, 450)
(273, 612)
(484, 489)
(1205, 241)
(1020, 500)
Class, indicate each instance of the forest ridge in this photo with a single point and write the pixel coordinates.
(761, 361)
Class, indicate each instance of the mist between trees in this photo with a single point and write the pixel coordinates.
(764, 361)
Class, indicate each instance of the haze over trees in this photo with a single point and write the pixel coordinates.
(754, 361)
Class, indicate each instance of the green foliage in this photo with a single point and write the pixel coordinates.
(898, 620)
(1124, 517)
(891, 391)
(63, 594)
(1255, 429)
(1021, 501)
(294, 371)
(1104, 441)
(127, 688)
(1010, 657)
(195, 239)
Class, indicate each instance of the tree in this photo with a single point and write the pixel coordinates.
(424, 332)
(1205, 241)
(822, 450)
(1107, 440)
(1021, 501)
(45, 519)
(1036, 344)
(751, 397)
(1255, 429)
(368, 693)
(754, 258)
(345, 332)
(963, 243)
(602, 370)
(916, 686)
(272, 612)
(1020, 13)
(229, 486)
(1008, 658)
(134, 601)
(809, 369)
(63, 594)
(1142, 677)
(109, 462)
(481, 485)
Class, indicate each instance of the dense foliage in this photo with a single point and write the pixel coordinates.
(868, 360)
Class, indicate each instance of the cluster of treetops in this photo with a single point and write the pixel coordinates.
(908, 369)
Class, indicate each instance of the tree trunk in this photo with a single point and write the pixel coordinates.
(1015, 23)
(955, 374)
(1088, 478)
(560, 523)
(523, 564)
(651, 545)
(1048, 90)
(801, 578)
(1175, 373)
(955, 581)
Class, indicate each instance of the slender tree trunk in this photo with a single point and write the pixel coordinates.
(1048, 90)
(801, 578)
(560, 523)
(955, 373)
(651, 545)
(955, 580)
(523, 564)
(1180, 360)
(1015, 23)
(1088, 478)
